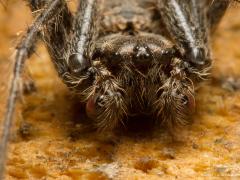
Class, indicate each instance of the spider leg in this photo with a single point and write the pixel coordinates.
(216, 11)
(95, 84)
(55, 33)
(85, 30)
(69, 42)
(24, 50)
(36, 4)
(186, 21)
(74, 64)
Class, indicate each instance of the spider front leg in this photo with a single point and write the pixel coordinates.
(75, 68)
(186, 21)
(24, 50)
(217, 9)
(56, 32)
(88, 78)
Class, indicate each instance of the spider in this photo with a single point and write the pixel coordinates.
(124, 58)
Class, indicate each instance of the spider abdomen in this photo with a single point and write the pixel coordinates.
(126, 15)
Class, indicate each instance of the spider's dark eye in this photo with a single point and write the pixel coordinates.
(141, 52)
(107, 57)
(142, 55)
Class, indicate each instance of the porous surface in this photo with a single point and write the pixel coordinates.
(48, 140)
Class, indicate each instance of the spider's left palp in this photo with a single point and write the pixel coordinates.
(24, 50)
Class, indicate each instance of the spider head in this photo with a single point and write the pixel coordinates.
(139, 74)
(141, 51)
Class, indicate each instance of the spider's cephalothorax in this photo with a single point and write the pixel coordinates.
(132, 57)
(128, 57)
(140, 73)
(130, 69)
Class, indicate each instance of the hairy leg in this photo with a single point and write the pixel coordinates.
(216, 11)
(24, 50)
(84, 33)
(186, 21)
(69, 39)
(56, 33)
(74, 65)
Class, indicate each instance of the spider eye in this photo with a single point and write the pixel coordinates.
(142, 55)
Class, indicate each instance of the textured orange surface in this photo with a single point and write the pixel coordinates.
(48, 141)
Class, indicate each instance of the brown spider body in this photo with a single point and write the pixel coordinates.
(127, 15)
(139, 70)
(123, 57)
